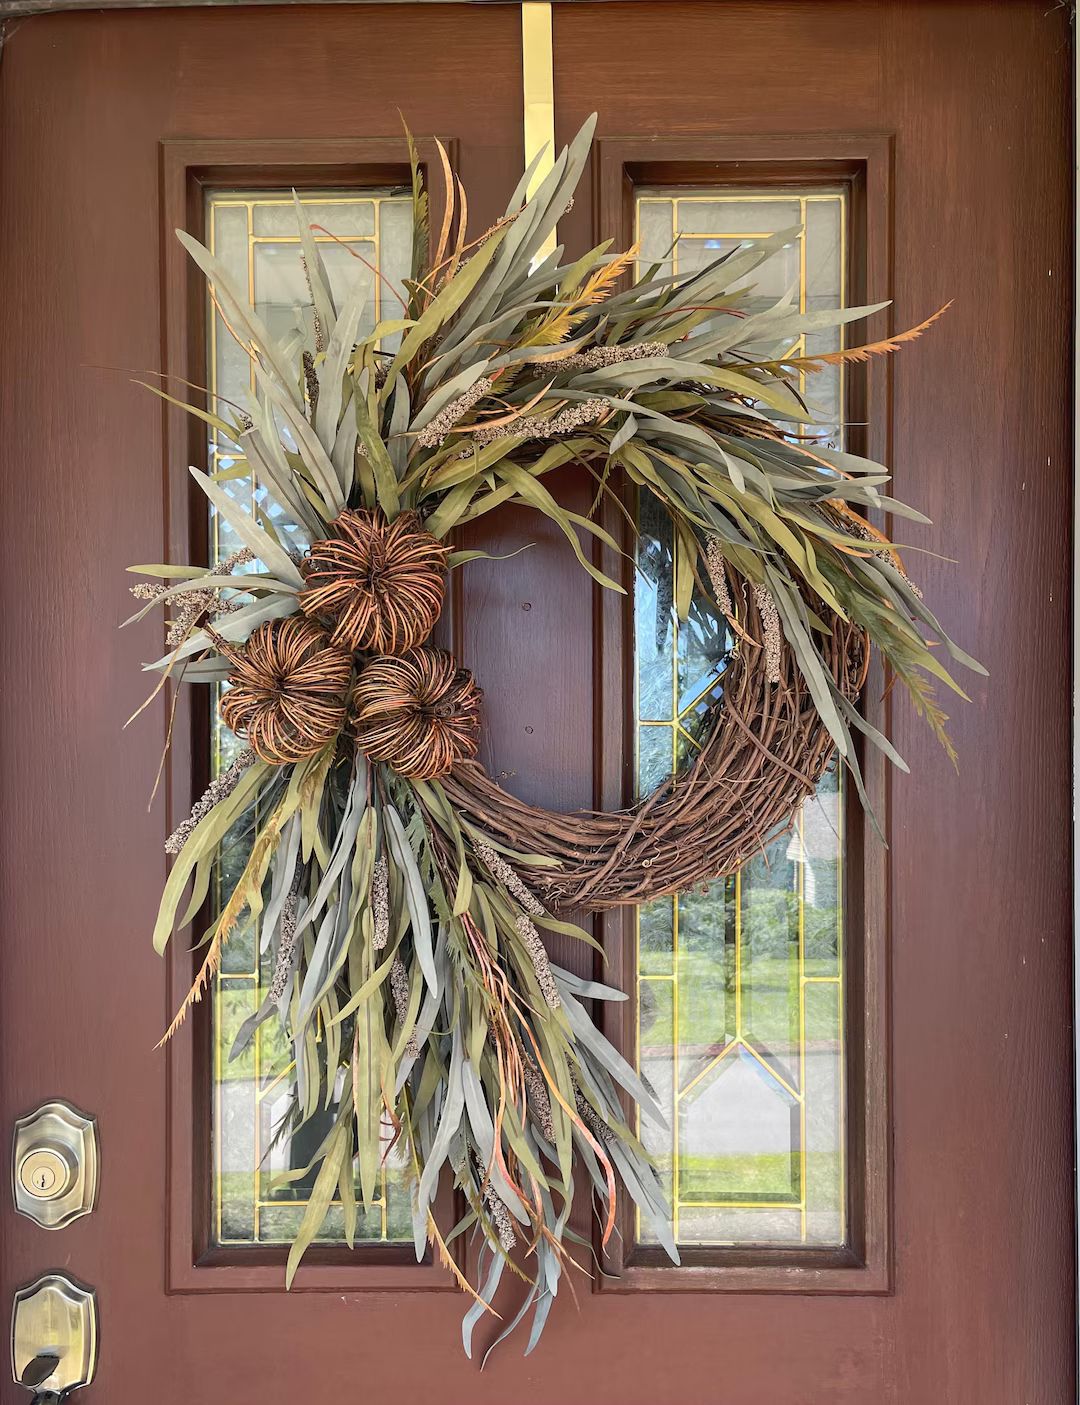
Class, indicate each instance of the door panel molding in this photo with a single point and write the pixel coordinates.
(863, 164)
(189, 169)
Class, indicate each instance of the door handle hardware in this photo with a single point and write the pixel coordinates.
(54, 1164)
(37, 1371)
(54, 1337)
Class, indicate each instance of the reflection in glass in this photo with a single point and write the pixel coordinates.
(260, 1182)
(740, 986)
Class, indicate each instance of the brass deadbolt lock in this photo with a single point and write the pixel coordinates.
(55, 1165)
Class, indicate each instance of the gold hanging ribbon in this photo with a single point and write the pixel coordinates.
(538, 94)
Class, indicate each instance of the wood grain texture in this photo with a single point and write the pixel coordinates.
(976, 99)
(979, 863)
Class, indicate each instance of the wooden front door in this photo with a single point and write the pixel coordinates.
(870, 1084)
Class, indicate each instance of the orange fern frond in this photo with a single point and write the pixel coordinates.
(250, 883)
(559, 323)
(550, 330)
(599, 284)
(850, 354)
(448, 1262)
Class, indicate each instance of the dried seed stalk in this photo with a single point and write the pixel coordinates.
(218, 790)
(500, 869)
(530, 940)
(380, 904)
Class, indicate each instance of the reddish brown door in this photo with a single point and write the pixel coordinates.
(937, 1263)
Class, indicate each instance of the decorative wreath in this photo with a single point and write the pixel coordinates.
(404, 892)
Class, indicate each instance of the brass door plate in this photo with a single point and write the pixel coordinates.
(54, 1165)
(56, 1316)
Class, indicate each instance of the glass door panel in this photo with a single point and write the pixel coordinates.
(740, 985)
(260, 1182)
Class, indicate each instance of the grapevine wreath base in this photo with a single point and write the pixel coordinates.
(763, 752)
(401, 896)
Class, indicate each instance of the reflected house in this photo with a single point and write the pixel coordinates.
(816, 842)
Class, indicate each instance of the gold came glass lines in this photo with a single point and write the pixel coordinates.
(740, 1022)
(259, 1188)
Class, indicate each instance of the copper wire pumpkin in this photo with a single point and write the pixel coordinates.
(380, 584)
(420, 713)
(289, 689)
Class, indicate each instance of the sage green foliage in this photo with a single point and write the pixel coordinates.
(701, 427)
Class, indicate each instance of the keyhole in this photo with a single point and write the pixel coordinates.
(43, 1174)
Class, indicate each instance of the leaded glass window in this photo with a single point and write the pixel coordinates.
(260, 1188)
(741, 986)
